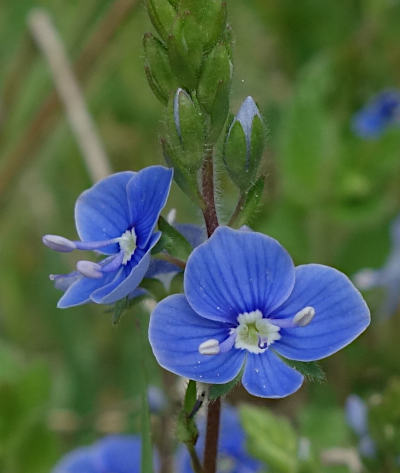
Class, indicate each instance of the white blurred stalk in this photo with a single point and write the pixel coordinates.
(83, 127)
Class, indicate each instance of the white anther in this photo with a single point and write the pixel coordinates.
(209, 347)
(89, 269)
(304, 316)
(58, 243)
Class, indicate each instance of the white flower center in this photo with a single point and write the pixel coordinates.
(127, 243)
(254, 333)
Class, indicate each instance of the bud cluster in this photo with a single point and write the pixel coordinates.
(189, 68)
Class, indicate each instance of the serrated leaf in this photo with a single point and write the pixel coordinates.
(218, 390)
(174, 242)
(271, 439)
(311, 370)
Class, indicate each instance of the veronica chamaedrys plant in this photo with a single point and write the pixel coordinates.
(245, 304)
(116, 217)
(115, 453)
(379, 113)
(233, 456)
(387, 277)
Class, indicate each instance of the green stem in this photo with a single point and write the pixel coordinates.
(211, 448)
(196, 464)
(171, 259)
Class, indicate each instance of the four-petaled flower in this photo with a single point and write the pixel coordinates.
(245, 302)
(116, 217)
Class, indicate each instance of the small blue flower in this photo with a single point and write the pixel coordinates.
(246, 303)
(116, 217)
(115, 453)
(357, 418)
(387, 277)
(382, 111)
(232, 454)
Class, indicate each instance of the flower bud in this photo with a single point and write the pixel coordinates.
(211, 17)
(244, 145)
(158, 69)
(185, 132)
(162, 14)
(214, 87)
(185, 50)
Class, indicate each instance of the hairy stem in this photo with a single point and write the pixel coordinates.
(211, 448)
(211, 221)
(207, 188)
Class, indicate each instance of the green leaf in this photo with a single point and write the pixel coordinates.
(311, 370)
(173, 241)
(218, 390)
(190, 397)
(271, 439)
(252, 203)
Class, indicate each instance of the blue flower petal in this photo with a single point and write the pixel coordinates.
(119, 454)
(80, 460)
(123, 284)
(102, 212)
(266, 375)
(340, 314)
(175, 333)
(237, 271)
(79, 292)
(147, 194)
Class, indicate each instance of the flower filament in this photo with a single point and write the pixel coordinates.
(90, 269)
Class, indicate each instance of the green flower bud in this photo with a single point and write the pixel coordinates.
(162, 14)
(185, 132)
(157, 68)
(214, 87)
(210, 15)
(185, 50)
(244, 145)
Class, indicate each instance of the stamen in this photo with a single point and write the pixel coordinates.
(89, 269)
(63, 281)
(209, 347)
(94, 245)
(227, 344)
(58, 243)
(113, 264)
(304, 316)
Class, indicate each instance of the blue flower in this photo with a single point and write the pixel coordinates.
(246, 303)
(232, 454)
(387, 277)
(116, 217)
(357, 418)
(115, 453)
(382, 111)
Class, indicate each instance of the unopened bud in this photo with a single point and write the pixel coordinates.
(157, 68)
(244, 145)
(162, 14)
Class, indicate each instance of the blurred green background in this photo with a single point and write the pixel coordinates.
(68, 376)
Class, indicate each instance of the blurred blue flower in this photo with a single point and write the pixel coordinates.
(115, 217)
(387, 277)
(245, 303)
(232, 454)
(379, 113)
(115, 453)
(357, 418)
